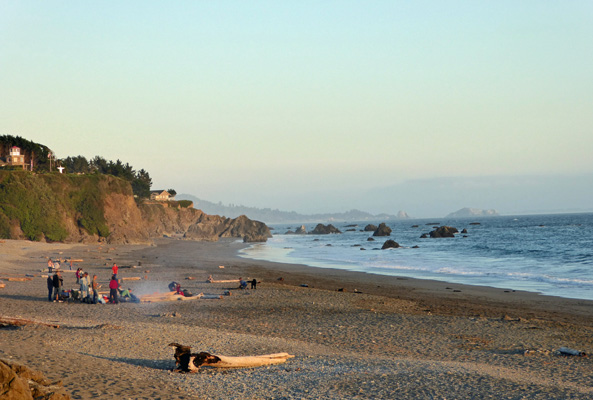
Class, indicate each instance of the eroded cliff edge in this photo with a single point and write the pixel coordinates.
(87, 208)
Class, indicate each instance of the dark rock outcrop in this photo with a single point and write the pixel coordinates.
(213, 227)
(390, 244)
(370, 228)
(321, 229)
(18, 382)
(301, 230)
(444, 232)
(382, 230)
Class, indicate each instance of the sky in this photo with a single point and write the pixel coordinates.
(313, 106)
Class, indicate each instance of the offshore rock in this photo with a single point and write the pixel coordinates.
(390, 244)
(321, 229)
(301, 230)
(402, 215)
(370, 228)
(444, 232)
(382, 230)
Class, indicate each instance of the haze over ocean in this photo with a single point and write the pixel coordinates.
(549, 254)
(315, 106)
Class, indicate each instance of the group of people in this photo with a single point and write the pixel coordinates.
(89, 289)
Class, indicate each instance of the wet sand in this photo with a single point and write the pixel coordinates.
(354, 335)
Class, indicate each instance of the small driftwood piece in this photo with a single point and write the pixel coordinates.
(566, 351)
(186, 361)
(16, 279)
(2, 285)
(212, 280)
(22, 321)
(131, 278)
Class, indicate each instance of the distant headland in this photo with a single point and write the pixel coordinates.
(272, 216)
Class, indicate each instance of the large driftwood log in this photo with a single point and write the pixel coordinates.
(186, 361)
(22, 321)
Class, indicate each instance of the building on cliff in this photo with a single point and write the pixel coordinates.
(161, 195)
(14, 158)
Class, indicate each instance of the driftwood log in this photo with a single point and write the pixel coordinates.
(186, 361)
(8, 321)
(16, 279)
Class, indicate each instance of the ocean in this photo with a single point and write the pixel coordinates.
(548, 254)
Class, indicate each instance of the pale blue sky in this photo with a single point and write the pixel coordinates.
(297, 105)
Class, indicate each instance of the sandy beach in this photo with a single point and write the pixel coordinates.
(354, 335)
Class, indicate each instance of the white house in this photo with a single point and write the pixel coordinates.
(161, 195)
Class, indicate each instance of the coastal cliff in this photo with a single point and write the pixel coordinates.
(96, 207)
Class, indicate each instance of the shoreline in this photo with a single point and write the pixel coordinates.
(433, 291)
(393, 337)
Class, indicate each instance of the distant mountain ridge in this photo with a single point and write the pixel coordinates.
(270, 216)
(472, 212)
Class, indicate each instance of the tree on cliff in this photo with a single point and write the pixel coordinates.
(76, 165)
(140, 180)
(141, 184)
(32, 151)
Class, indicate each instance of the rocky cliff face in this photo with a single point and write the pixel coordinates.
(102, 208)
(132, 223)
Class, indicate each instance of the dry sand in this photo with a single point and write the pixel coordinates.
(398, 339)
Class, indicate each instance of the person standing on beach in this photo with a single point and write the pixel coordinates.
(95, 288)
(50, 265)
(58, 282)
(50, 287)
(114, 269)
(85, 283)
(254, 284)
(113, 286)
